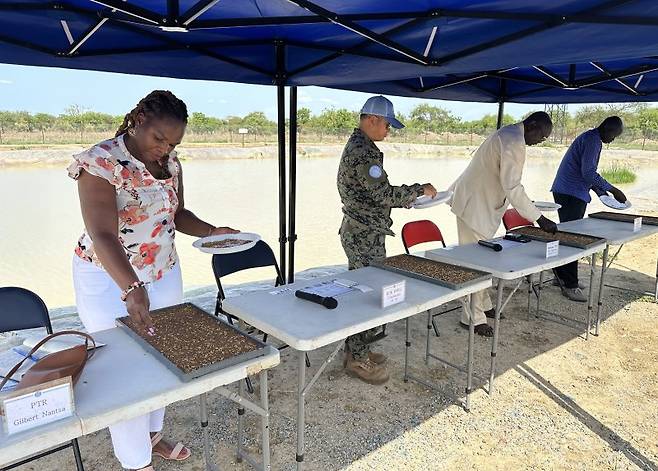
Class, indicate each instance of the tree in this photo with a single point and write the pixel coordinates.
(592, 116)
(7, 122)
(337, 121)
(647, 121)
(426, 117)
(303, 118)
(97, 121)
(257, 122)
(73, 118)
(487, 124)
(200, 123)
(43, 122)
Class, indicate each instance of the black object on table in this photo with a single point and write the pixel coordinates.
(491, 245)
(326, 301)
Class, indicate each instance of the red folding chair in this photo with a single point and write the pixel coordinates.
(420, 232)
(512, 219)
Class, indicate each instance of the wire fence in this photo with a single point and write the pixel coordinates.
(631, 138)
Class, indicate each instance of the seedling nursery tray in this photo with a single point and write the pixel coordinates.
(439, 273)
(192, 343)
(571, 239)
(624, 217)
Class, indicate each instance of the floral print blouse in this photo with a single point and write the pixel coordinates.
(146, 207)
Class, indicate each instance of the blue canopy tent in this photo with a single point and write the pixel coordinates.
(487, 50)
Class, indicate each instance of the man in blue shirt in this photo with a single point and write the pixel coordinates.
(575, 177)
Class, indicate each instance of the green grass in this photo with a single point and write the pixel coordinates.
(617, 175)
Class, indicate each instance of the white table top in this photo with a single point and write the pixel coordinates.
(615, 232)
(511, 263)
(120, 382)
(306, 326)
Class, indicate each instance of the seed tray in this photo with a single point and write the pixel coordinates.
(624, 217)
(432, 271)
(571, 239)
(191, 342)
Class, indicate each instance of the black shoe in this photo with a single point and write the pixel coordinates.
(485, 330)
(491, 314)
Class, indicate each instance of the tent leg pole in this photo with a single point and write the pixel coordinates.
(281, 137)
(501, 112)
(292, 175)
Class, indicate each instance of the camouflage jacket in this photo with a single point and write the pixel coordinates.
(364, 189)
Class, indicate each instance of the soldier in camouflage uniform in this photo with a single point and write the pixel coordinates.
(367, 198)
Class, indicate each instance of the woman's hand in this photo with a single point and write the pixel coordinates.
(138, 307)
(223, 230)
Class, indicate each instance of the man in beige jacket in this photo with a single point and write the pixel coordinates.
(490, 183)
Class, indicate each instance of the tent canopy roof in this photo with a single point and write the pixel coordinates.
(527, 52)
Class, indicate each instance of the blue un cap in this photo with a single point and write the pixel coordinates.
(381, 106)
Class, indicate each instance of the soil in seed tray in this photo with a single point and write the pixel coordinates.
(225, 243)
(433, 269)
(191, 339)
(625, 217)
(567, 238)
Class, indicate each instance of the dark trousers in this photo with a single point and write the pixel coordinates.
(572, 209)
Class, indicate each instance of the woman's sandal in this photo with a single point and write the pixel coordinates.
(176, 452)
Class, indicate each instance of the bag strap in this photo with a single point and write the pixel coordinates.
(87, 338)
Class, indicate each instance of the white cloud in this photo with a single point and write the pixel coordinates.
(6, 82)
(330, 101)
(304, 97)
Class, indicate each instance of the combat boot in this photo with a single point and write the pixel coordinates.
(365, 370)
(377, 358)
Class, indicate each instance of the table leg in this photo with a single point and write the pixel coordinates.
(529, 294)
(469, 360)
(604, 268)
(265, 421)
(655, 289)
(300, 410)
(494, 342)
(203, 415)
(76, 453)
(541, 282)
(241, 412)
(592, 265)
(429, 328)
(407, 344)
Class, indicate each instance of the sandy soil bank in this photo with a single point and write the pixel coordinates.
(61, 155)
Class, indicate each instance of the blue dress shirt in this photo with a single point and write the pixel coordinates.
(577, 174)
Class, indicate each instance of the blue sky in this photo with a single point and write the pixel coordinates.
(49, 90)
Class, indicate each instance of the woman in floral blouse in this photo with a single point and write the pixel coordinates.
(131, 197)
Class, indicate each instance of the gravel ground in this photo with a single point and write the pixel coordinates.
(560, 402)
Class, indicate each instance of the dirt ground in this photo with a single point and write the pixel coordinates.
(560, 402)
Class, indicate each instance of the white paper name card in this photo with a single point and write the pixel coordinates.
(38, 405)
(393, 294)
(637, 224)
(552, 248)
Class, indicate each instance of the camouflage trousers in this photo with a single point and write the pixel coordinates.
(362, 248)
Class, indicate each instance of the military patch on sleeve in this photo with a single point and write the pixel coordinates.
(375, 171)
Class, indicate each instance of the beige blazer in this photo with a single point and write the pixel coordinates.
(492, 181)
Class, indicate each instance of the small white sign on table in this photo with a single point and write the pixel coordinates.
(393, 294)
(37, 405)
(552, 248)
(637, 224)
